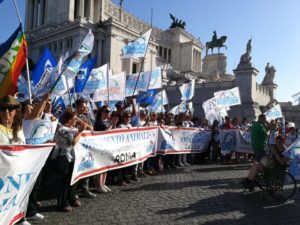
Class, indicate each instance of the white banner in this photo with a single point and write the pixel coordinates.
(20, 166)
(116, 89)
(39, 131)
(229, 97)
(234, 140)
(173, 140)
(98, 152)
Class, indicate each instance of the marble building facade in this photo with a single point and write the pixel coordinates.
(61, 25)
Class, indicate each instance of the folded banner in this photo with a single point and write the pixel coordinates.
(229, 97)
(20, 167)
(173, 140)
(98, 152)
(39, 131)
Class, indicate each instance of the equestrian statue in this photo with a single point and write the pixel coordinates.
(216, 43)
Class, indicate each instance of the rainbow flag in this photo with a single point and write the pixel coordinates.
(13, 55)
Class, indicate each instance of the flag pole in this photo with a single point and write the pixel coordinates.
(27, 64)
(140, 70)
(107, 80)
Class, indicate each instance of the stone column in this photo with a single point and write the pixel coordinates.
(29, 14)
(35, 13)
(42, 12)
(80, 8)
(97, 9)
(99, 52)
(90, 15)
(71, 10)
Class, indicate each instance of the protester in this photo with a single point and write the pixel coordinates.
(259, 136)
(10, 121)
(292, 135)
(276, 161)
(67, 136)
(82, 113)
(103, 123)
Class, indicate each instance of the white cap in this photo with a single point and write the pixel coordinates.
(290, 125)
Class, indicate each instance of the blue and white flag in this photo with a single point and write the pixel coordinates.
(48, 81)
(116, 89)
(140, 85)
(83, 75)
(187, 90)
(164, 96)
(23, 91)
(138, 47)
(45, 65)
(274, 113)
(155, 79)
(86, 46)
(97, 80)
(213, 111)
(181, 108)
(146, 97)
(58, 106)
(296, 98)
(157, 104)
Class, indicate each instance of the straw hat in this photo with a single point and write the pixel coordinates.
(9, 100)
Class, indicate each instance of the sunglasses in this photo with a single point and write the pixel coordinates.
(106, 111)
(9, 108)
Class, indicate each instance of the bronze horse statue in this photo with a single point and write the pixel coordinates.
(219, 43)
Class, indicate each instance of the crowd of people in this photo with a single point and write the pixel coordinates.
(126, 116)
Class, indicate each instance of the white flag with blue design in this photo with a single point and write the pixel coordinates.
(187, 90)
(229, 97)
(155, 79)
(137, 83)
(97, 80)
(296, 98)
(274, 113)
(138, 47)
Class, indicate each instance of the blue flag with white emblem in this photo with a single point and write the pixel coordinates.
(147, 97)
(43, 68)
(83, 75)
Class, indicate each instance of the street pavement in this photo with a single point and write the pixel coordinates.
(199, 194)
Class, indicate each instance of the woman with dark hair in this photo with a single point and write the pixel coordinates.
(67, 136)
(103, 123)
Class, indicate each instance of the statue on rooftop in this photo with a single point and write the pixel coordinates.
(245, 60)
(176, 22)
(216, 43)
(270, 74)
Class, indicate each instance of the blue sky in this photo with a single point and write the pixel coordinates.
(272, 24)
